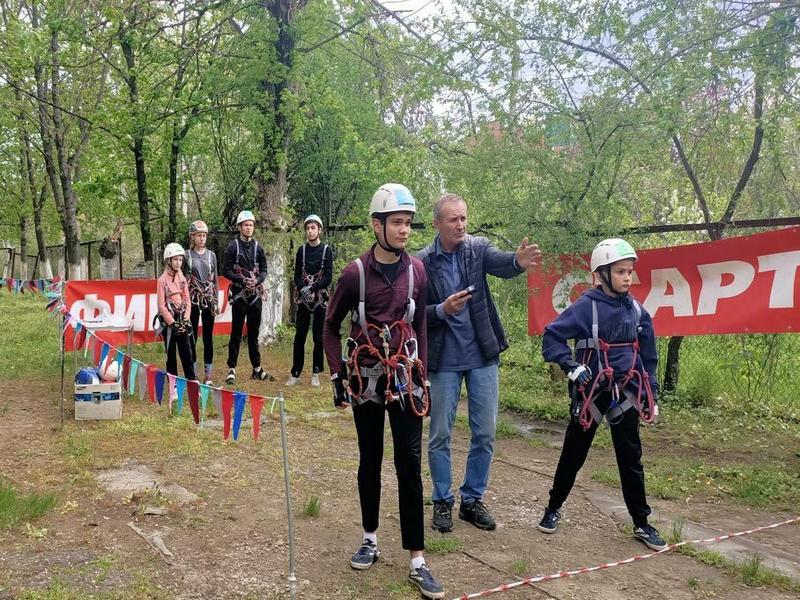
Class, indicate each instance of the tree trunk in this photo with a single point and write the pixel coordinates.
(132, 82)
(71, 226)
(45, 268)
(270, 179)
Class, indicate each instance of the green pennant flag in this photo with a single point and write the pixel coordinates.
(132, 376)
(203, 402)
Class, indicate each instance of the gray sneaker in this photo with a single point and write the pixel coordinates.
(366, 556)
(425, 581)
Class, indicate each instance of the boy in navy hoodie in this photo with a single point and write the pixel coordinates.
(611, 376)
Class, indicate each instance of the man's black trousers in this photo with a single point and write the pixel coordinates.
(242, 309)
(302, 322)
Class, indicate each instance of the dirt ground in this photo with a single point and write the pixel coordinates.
(232, 542)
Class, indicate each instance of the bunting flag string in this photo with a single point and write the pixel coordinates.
(38, 286)
(152, 381)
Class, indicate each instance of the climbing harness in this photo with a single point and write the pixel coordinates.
(182, 327)
(597, 349)
(252, 290)
(202, 293)
(400, 372)
(320, 297)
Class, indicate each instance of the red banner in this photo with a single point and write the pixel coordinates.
(736, 285)
(129, 301)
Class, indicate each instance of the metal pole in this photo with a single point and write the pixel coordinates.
(63, 359)
(292, 578)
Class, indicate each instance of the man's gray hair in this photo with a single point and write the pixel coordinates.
(444, 199)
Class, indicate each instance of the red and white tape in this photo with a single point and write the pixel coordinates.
(529, 580)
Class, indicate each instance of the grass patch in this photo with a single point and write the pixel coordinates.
(443, 544)
(769, 484)
(520, 567)
(16, 509)
(506, 429)
(750, 572)
(311, 507)
(30, 339)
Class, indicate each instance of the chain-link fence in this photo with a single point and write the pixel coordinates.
(758, 370)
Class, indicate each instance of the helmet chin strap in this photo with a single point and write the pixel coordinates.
(605, 275)
(385, 244)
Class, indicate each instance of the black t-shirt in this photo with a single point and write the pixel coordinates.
(389, 271)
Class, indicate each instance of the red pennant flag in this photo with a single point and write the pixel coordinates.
(151, 383)
(98, 348)
(80, 340)
(227, 409)
(126, 371)
(256, 404)
(193, 388)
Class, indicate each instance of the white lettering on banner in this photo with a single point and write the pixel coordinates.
(563, 289)
(136, 311)
(785, 264)
(681, 298)
(712, 289)
(90, 308)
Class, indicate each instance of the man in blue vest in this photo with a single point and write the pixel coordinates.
(465, 339)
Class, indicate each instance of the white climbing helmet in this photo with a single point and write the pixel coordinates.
(312, 219)
(245, 215)
(173, 249)
(390, 198)
(610, 251)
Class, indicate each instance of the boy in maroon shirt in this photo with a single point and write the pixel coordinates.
(382, 289)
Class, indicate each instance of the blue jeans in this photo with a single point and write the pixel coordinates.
(482, 392)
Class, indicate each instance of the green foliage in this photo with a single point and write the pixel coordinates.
(768, 484)
(443, 544)
(311, 507)
(17, 509)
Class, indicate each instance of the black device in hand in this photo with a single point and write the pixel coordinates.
(471, 289)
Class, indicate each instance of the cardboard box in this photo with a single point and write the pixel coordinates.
(98, 401)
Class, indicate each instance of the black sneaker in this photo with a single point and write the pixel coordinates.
(427, 584)
(650, 536)
(549, 522)
(442, 516)
(260, 375)
(366, 556)
(230, 378)
(476, 513)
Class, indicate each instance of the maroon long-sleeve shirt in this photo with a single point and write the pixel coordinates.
(385, 304)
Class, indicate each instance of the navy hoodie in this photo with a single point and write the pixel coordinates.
(616, 318)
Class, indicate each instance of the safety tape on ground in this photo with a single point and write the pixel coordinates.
(529, 580)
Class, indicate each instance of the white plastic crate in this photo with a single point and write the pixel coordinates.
(98, 401)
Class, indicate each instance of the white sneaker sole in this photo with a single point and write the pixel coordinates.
(546, 530)
(362, 566)
(426, 593)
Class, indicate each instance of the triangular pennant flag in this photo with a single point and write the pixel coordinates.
(118, 357)
(171, 380)
(193, 388)
(180, 388)
(227, 407)
(133, 369)
(256, 404)
(141, 379)
(104, 353)
(160, 380)
(239, 402)
(204, 389)
(98, 347)
(126, 373)
(151, 383)
(216, 397)
(88, 342)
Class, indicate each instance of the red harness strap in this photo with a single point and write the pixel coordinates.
(641, 381)
(397, 366)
